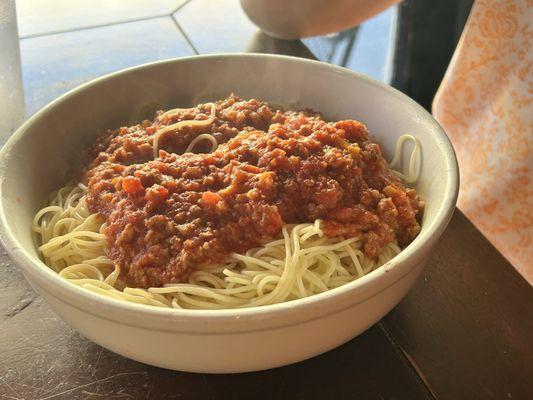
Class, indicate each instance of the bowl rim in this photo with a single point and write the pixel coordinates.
(399, 266)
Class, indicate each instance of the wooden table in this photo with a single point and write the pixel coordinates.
(465, 331)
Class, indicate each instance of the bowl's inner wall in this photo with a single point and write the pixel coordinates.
(50, 148)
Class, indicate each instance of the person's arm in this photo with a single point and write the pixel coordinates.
(294, 19)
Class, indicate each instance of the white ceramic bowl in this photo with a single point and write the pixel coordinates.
(36, 160)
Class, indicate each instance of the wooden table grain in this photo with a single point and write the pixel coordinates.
(463, 332)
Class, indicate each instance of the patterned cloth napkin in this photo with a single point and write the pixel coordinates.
(485, 104)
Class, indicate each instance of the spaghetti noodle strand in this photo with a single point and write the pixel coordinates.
(189, 123)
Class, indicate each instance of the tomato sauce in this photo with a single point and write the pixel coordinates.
(272, 167)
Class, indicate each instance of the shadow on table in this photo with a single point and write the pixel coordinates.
(262, 43)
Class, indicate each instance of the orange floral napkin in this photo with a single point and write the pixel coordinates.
(485, 105)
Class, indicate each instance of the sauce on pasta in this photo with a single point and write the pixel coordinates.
(167, 216)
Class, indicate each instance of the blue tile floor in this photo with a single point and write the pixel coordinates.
(54, 64)
(40, 17)
(68, 42)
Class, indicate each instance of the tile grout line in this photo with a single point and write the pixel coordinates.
(180, 7)
(36, 35)
(184, 35)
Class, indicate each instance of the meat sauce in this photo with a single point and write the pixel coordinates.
(272, 167)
